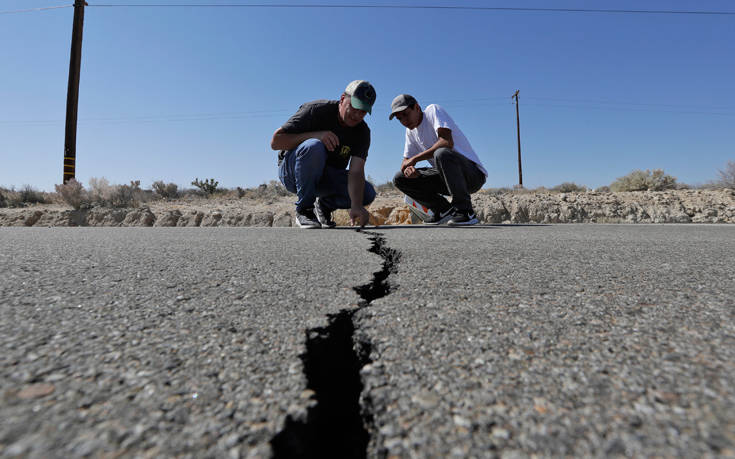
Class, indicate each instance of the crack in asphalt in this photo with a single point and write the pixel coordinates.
(336, 425)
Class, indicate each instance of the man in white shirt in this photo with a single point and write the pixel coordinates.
(456, 171)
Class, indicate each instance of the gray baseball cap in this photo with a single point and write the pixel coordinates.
(362, 95)
(400, 103)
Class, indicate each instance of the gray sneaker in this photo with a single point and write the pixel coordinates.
(460, 218)
(306, 219)
(323, 214)
(439, 218)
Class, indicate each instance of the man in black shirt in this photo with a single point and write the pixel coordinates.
(317, 143)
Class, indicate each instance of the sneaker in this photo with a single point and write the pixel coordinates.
(439, 218)
(323, 214)
(463, 218)
(306, 219)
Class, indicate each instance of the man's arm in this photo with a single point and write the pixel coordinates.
(444, 141)
(283, 140)
(356, 189)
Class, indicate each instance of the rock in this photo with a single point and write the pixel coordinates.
(212, 219)
(192, 218)
(36, 391)
(376, 218)
(139, 217)
(260, 219)
(100, 216)
(383, 211)
(283, 219)
(491, 210)
(33, 218)
(170, 218)
(399, 216)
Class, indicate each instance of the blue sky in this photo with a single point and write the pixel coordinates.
(177, 93)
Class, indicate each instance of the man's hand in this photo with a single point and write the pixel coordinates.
(410, 172)
(359, 216)
(328, 138)
(407, 162)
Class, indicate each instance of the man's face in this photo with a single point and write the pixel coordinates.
(410, 117)
(348, 115)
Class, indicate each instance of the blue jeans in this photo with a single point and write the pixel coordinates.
(305, 171)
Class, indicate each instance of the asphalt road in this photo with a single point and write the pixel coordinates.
(491, 341)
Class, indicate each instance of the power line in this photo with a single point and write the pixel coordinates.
(33, 10)
(405, 7)
(414, 7)
(165, 118)
(282, 112)
(587, 107)
(613, 102)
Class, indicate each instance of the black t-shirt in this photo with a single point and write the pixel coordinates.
(322, 115)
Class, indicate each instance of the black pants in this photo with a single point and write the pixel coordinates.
(454, 175)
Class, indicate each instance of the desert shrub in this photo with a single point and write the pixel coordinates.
(166, 190)
(3, 199)
(126, 195)
(208, 186)
(727, 176)
(73, 194)
(29, 195)
(569, 187)
(102, 194)
(269, 192)
(647, 180)
(495, 191)
(100, 191)
(603, 189)
(240, 193)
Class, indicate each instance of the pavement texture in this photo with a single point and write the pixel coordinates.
(490, 341)
(579, 340)
(163, 342)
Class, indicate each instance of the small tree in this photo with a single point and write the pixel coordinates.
(727, 175)
(208, 186)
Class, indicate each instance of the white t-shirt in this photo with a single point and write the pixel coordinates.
(425, 136)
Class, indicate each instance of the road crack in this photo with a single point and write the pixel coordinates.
(336, 425)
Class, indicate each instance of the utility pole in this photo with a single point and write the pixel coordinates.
(518, 124)
(72, 94)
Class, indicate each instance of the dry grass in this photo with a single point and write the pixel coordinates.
(25, 196)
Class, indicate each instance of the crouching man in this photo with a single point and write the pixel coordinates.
(456, 170)
(317, 143)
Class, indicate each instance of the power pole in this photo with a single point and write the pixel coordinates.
(72, 94)
(518, 124)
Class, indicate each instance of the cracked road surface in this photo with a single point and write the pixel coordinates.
(492, 341)
(165, 342)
